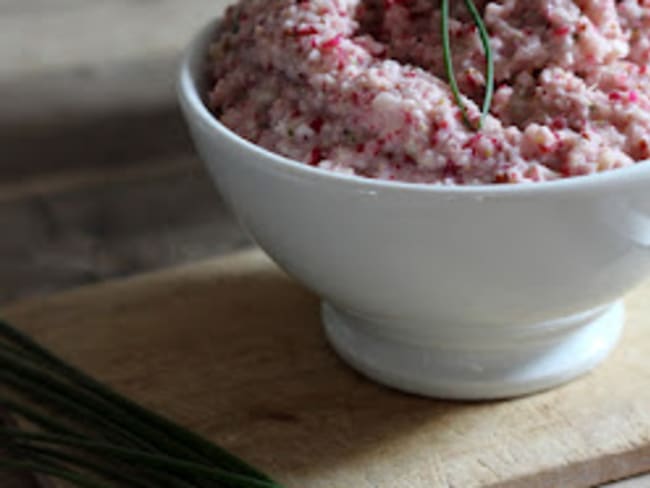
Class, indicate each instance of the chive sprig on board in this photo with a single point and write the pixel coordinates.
(75, 429)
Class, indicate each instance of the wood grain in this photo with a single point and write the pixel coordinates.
(94, 32)
(84, 228)
(233, 349)
(98, 178)
(88, 82)
(634, 482)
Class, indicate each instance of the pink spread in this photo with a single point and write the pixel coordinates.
(358, 86)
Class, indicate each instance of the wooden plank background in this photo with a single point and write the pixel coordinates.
(97, 175)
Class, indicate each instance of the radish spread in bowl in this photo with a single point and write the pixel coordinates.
(451, 290)
(359, 87)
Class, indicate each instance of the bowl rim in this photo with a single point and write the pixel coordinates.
(191, 99)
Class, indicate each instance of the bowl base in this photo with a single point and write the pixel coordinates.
(510, 361)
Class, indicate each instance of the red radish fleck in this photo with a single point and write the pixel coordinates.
(562, 30)
(316, 156)
(333, 42)
(498, 145)
(306, 31)
(450, 170)
(316, 125)
(559, 123)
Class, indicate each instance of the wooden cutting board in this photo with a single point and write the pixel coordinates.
(233, 349)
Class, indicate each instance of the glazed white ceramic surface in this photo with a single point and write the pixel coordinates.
(458, 292)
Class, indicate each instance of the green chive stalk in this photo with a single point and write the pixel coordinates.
(448, 63)
(80, 431)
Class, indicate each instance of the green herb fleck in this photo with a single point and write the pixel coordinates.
(349, 136)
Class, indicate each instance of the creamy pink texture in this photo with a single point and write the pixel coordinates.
(358, 86)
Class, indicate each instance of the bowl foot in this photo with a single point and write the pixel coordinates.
(472, 364)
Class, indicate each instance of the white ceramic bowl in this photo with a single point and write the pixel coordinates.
(460, 292)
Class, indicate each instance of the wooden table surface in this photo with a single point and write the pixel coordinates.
(97, 175)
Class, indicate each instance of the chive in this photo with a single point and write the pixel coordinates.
(103, 433)
(42, 392)
(125, 475)
(49, 391)
(449, 67)
(149, 460)
(62, 474)
(191, 441)
(489, 60)
(53, 457)
(38, 418)
(55, 427)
